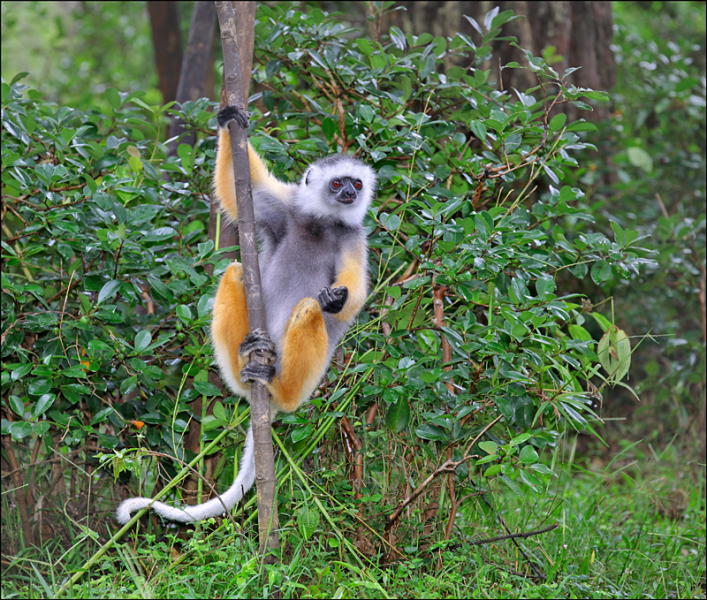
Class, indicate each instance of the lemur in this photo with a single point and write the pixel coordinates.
(313, 261)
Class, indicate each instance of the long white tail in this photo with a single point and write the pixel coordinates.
(212, 508)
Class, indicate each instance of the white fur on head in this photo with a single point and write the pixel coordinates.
(314, 197)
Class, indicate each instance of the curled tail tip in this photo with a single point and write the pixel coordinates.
(122, 514)
(129, 506)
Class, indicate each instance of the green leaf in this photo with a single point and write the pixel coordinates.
(544, 285)
(614, 353)
(638, 157)
(493, 470)
(398, 38)
(551, 174)
(579, 333)
(21, 371)
(142, 340)
(541, 468)
(101, 415)
(528, 455)
(74, 371)
(489, 447)
(364, 46)
(207, 389)
(184, 314)
(308, 521)
(211, 422)
(302, 433)
(595, 95)
(619, 233)
(504, 17)
(686, 84)
(378, 61)
(582, 126)
(21, 430)
(479, 130)
(398, 416)
(17, 405)
(494, 124)
(113, 97)
(406, 87)
(128, 385)
(109, 290)
(602, 321)
(557, 122)
(39, 387)
(440, 46)
(220, 411)
(432, 432)
(160, 235)
(601, 271)
(366, 113)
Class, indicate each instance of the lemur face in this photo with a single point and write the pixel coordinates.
(338, 187)
(345, 189)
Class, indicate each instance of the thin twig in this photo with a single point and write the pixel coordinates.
(512, 536)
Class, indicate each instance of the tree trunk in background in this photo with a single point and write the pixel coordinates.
(167, 43)
(581, 33)
(197, 62)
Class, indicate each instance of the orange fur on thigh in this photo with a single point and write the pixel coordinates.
(230, 324)
(304, 351)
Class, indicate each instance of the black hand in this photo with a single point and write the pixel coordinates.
(233, 113)
(333, 300)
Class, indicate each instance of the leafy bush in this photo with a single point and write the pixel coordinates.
(466, 338)
(106, 298)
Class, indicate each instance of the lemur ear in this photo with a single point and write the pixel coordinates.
(306, 176)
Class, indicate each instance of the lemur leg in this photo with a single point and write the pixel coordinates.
(303, 360)
(230, 327)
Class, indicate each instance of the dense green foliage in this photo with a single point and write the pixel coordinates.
(106, 298)
(658, 136)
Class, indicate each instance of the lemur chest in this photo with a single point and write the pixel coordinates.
(302, 263)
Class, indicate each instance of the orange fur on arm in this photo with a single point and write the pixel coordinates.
(224, 183)
(353, 275)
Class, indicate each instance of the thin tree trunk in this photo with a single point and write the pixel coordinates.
(195, 67)
(167, 44)
(227, 233)
(260, 400)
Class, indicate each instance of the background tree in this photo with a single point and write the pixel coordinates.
(167, 45)
(567, 34)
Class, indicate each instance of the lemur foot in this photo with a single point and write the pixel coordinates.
(254, 371)
(258, 342)
(333, 300)
(233, 113)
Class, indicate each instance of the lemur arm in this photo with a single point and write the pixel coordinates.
(260, 176)
(353, 275)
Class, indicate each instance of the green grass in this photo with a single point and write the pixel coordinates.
(633, 527)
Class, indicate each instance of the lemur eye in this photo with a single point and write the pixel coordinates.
(336, 184)
(357, 184)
